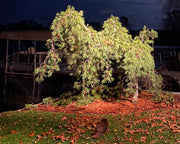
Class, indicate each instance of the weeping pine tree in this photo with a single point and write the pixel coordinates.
(92, 53)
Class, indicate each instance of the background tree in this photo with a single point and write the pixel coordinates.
(172, 19)
(125, 22)
(93, 54)
(28, 24)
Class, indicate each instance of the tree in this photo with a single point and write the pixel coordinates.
(172, 10)
(125, 22)
(28, 24)
(93, 54)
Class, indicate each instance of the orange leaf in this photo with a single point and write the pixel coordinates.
(50, 131)
(59, 137)
(39, 137)
(143, 139)
(13, 132)
(43, 134)
(88, 138)
(31, 134)
(21, 142)
(16, 123)
(136, 141)
(74, 138)
(80, 130)
(129, 131)
(160, 130)
(176, 131)
(63, 118)
(88, 127)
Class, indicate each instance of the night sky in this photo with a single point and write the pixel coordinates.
(138, 12)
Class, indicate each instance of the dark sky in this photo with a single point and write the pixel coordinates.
(139, 12)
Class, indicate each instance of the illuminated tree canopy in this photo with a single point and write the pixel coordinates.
(95, 55)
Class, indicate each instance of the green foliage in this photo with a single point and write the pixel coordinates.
(48, 67)
(30, 106)
(112, 92)
(86, 101)
(95, 55)
(166, 97)
(48, 100)
(67, 98)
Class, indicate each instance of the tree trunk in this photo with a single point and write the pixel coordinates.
(135, 97)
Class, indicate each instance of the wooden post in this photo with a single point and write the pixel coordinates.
(5, 89)
(175, 53)
(160, 58)
(33, 92)
(19, 47)
(34, 83)
(6, 66)
(34, 55)
(171, 54)
(179, 56)
(39, 58)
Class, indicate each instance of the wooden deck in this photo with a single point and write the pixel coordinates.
(23, 63)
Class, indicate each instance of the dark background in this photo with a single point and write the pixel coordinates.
(161, 15)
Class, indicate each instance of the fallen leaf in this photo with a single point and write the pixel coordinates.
(43, 134)
(115, 130)
(31, 134)
(13, 132)
(16, 123)
(21, 142)
(87, 138)
(176, 131)
(50, 131)
(74, 138)
(160, 130)
(39, 137)
(143, 139)
(63, 118)
(129, 131)
(59, 137)
(136, 141)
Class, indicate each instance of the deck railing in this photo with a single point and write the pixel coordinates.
(162, 57)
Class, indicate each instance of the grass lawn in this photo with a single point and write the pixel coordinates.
(26, 127)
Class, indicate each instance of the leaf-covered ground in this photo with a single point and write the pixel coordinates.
(122, 107)
(28, 127)
(144, 122)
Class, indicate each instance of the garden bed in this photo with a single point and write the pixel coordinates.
(122, 106)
